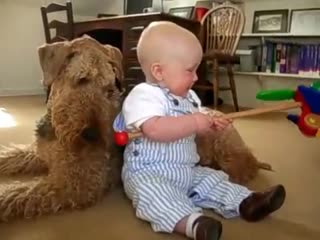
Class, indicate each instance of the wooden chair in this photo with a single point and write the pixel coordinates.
(221, 28)
(54, 24)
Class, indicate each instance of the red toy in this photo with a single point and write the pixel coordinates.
(308, 121)
(121, 138)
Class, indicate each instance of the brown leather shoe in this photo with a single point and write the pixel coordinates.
(260, 204)
(207, 228)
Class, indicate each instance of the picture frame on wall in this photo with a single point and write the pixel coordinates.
(183, 12)
(238, 3)
(270, 21)
(305, 21)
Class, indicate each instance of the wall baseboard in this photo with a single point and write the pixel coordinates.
(21, 92)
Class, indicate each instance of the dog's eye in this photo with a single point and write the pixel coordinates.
(83, 81)
(108, 90)
(71, 55)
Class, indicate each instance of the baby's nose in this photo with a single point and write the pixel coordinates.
(195, 77)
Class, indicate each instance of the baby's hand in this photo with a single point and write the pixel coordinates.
(203, 121)
(220, 123)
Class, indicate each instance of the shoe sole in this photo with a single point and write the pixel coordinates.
(216, 234)
(276, 201)
(278, 198)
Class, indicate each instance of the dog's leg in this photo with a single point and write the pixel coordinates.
(28, 199)
(20, 160)
(55, 193)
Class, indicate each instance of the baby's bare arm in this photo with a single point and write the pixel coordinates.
(167, 129)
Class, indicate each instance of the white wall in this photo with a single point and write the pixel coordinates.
(20, 27)
(21, 35)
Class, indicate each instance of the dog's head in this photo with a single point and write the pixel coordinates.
(79, 63)
(85, 78)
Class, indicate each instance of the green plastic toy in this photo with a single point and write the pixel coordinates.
(282, 94)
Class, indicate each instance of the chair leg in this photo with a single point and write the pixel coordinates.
(233, 87)
(215, 83)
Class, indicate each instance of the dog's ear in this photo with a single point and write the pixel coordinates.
(116, 62)
(53, 58)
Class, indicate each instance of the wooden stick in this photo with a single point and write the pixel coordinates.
(132, 135)
(267, 109)
(247, 113)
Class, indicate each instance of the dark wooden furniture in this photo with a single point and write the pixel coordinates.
(124, 31)
(101, 15)
(56, 24)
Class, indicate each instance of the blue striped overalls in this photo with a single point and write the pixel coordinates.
(164, 183)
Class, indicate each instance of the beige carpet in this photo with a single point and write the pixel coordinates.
(296, 161)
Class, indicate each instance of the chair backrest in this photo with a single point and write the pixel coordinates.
(222, 27)
(54, 24)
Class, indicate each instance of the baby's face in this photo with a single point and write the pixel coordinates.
(180, 74)
(179, 78)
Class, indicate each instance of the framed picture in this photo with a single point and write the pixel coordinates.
(305, 21)
(216, 3)
(184, 12)
(270, 21)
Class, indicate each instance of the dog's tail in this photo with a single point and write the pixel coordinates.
(20, 159)
(265, 166)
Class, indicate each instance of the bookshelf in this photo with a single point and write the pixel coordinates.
(282, 35)
(260, 38)
(278, 45)
(281, 75)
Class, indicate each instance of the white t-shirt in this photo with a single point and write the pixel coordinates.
(144, 102)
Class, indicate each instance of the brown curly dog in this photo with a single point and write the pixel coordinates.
(73, 148)
(74, 151)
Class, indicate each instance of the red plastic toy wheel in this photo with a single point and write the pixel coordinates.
(121, 138)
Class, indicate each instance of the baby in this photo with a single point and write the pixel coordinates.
(161, 174)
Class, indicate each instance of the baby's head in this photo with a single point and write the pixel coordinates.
(169, 56)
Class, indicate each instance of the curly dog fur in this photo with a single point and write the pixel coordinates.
(73, 154)
(228, 152)
(73, 147)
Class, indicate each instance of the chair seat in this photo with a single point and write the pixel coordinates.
(222, 57)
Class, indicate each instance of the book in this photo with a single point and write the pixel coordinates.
(290, 58)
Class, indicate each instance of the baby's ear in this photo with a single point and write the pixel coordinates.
(53, 58)
(156, 71)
